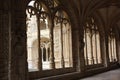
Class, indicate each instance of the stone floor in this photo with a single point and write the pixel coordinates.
(110, 75)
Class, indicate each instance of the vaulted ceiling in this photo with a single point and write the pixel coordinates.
(107, 10)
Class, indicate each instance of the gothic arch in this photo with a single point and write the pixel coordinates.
(114, 20)
(57, 17)
(100, 22)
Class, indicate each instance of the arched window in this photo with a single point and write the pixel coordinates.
(62, 40)
(112, 46)
(92, 51)
(37, 28)
(48, 37)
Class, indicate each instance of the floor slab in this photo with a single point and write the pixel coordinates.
(110, 75)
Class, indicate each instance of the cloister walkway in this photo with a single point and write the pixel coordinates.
(110, 75)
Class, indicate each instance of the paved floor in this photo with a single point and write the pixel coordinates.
(110, 75)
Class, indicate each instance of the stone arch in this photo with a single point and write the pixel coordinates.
(100, 22)
(114, 22)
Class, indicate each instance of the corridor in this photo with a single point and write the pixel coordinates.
(110, 75)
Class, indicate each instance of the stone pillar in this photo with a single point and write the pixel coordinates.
(91, 43)
(4, 45)
(118, 50)
(69, 46)
(52, 62)
(81, 52)
(19, 67)
(42, 53)
(46, 47)
(106, 53)
(62, 56)
(75, 50)
(39, 44)
(85, 50)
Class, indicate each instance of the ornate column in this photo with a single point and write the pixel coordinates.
(69, 44)
(41, 49)
(91, 43)
(52, 62)
(62, 56)
(39, 45)
(85, 48)
(96, 47)
(46, 47)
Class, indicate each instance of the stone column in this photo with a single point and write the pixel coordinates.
(106, 53)
(46, 47)
(4, 45)
(75, 49)
(52, 62)
(19, 67)
(62, 56)
(85, 50)
(39, 43)
(91, 43)
(42, 53)
(81, 54)
(118, 50)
